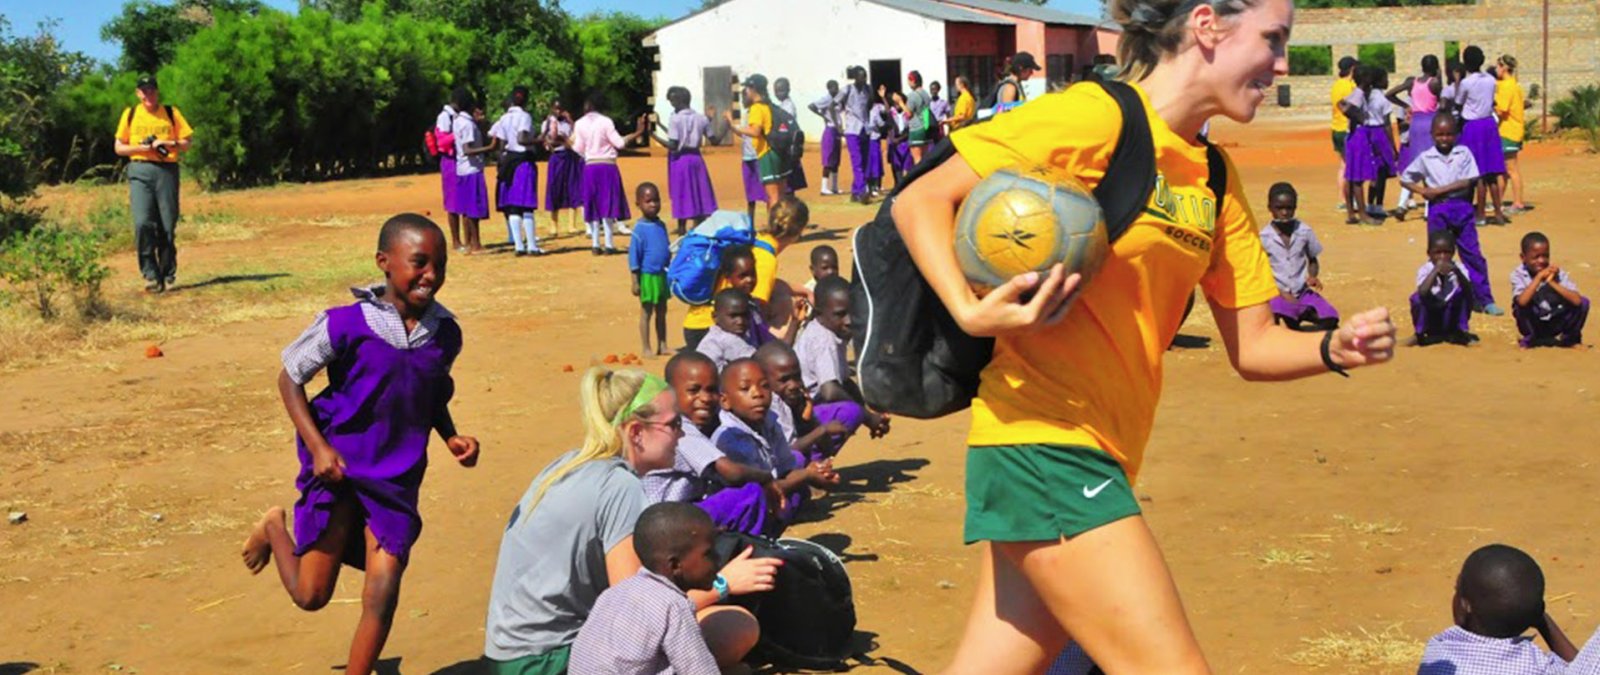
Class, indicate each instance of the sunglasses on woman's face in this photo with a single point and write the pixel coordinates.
(675, 424)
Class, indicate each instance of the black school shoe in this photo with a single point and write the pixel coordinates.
(155, 286)
(1461, 337)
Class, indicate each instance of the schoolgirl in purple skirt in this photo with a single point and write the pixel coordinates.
(444, 128)
(363, 440)
(1292, 250)
(595, 137)
(469, 200)
(688, 180)
(1369, 151)
(1474, 98)
(517, 181)
(563, 187)
(1422, 99)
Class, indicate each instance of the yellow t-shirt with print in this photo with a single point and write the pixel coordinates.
(1095, 378)
(760, 116)
(699, 316)
(1508, 106)
(965, 108)
(144, 123)
(1342, 88)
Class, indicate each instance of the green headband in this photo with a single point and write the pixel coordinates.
(648, 390)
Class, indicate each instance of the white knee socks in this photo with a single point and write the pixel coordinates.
(514, 230)
(530, 232)
(608, 224)
(594, 234)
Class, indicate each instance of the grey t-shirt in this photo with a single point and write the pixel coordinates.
(552, 564)
(917, 101)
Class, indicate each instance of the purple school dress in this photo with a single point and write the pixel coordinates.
(378, 411)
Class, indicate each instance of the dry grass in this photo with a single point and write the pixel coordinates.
(1362, 649)
(1384, 527)
(1283, 557)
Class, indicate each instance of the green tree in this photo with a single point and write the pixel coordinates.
(613, 60)
(151, 31)
(32, 68)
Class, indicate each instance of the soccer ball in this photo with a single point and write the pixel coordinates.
(1023, 220)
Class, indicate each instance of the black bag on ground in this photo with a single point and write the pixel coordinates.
(913, 359)
(808, 619)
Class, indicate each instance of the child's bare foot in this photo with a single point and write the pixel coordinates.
(662, 351)
(257, 548)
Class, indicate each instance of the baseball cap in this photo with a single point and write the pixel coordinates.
(147, 81)
(757, 82)
(1024, 60)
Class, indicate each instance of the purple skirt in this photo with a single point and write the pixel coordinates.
(1418, 139)
(1366, 152)
(875, 159)
(753, 190)
(603, 196)
(689, 186)
(447, 178)
(830, 149)
(563, 187)
(900, 156)
(1482, 137)
(522, 193)
(1309, 306)
(469, 197)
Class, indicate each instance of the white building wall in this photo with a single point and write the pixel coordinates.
(807, 41)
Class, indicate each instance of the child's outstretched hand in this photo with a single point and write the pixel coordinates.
(821, 474)
(327, 464)
(465, 450)
(878, 423)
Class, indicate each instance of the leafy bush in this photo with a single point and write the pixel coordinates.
(1379, 54)
(50, 259)
(1311, 60)
(1581, 110)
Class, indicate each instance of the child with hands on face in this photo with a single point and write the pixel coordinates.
(1442, 304)
(1548, 308)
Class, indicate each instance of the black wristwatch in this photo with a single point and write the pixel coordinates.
(1327, 359)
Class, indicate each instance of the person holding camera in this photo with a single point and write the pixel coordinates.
(152, 136)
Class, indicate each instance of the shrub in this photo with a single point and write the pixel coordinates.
(1310, 60)
(1581, 110)
(50, 259)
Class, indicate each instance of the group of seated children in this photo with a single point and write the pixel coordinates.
(765, 418)
(1499, 597)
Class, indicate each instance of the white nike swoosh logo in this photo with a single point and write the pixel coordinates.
(1091, 494)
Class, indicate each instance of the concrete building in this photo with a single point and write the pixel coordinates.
(1513, 27)
(814, 41)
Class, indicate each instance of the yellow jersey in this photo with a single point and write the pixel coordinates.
(1095, 378)
(141, 124)
(760, 116)
(1509, 107)
(1342, 88)
(965, 110)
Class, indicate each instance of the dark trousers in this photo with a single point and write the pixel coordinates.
(153, 198)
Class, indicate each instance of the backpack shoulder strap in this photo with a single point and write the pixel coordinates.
(1131, 175)
(764, 246)
(127, 118)
(1217, 175)
(172, 122)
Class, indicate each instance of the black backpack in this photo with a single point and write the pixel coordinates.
(786, 138)
(913, 359)
(808, 619)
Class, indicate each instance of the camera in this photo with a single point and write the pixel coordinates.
(160, 150)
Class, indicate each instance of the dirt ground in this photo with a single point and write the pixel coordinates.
(1313, 526)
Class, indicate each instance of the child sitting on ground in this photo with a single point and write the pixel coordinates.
(816, 432)
(824, 264)
(1444, 175)
(1499, 596)
(363, 441)
(750, 434)
(821, 348)
(738, 497)
(735, 269)
(729, 337)
(1293, 249)
(648, 255)
(1441, 306)
(646, 623)
(1546, 303)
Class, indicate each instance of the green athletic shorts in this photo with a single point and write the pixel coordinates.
(919, 137)
(553, 662)
(1043, 492)
(1338, 141)
(771, 168)
(652, 288)
(1509, 146)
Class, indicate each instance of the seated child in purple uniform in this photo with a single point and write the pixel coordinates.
(821, 348)
(1440, 307)
(816, 432)
(729, 337)
(1293, 249)
(646, 624)
(363, 440)
(648, 255)
(1499, 596)
(1545, 301)
(1445, 175)
(751, 435)
(738, 497)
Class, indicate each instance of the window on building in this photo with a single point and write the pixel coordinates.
(980, 72)
(1058, 69)
(1378, 54)
(1310, 60)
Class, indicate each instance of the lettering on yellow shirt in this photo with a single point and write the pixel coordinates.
(141, 124)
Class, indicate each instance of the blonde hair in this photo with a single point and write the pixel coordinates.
(1509, 61)
(788, 218)
(602, 395)
(1153, 29)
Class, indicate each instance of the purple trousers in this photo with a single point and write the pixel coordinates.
(847, 413)
(830, 149)
(1461, 219)
(1308, 307)
(1563, 328)
(746, 508)
(857, 145)
(1431, 317)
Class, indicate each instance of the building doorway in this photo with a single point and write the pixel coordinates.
(718, 93)
(886, 73)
